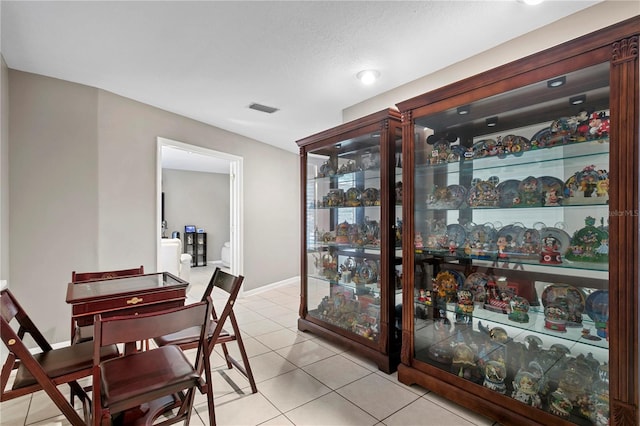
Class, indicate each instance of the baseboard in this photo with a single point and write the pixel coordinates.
(271, 286)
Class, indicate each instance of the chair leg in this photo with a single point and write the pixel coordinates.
(64, 406)
(210, 403)
(225, 351)
(243, 353)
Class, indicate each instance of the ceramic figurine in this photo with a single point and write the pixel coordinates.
(463, 360)
(446, 284)
(549, 253)
(555, 317)
(464, 307)
(559, 404)
(519, 309)
(494, 374)
(589, 244)
(525, 388)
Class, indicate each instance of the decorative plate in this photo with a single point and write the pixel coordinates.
(450, 197)
(482, 240)
(516, 145)
(541, 138)
(483, 194)
(509, 193)
(528, 242)
(476, 283)
(506, 239)
(455, 236)
(530, 192)
(552, 190)
(484, 148)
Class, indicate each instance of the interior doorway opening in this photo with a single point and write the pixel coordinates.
(234, 167)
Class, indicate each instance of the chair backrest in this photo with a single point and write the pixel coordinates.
(224, 281)
(101, 275)
(231, 285)
(129, 329)
(11, 309)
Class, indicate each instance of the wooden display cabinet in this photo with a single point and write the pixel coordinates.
(521, 236)
(351, 230)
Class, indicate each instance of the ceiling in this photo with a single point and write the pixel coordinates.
(209, 60)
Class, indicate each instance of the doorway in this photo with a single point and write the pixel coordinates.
(234, 166)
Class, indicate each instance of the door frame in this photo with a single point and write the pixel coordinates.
(236, 205)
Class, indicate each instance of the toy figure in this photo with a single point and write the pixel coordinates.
(503, 243)
(552, 198)
(464, 308)
(418, 242)
(494, 374)
(550, 253)
(526, 387)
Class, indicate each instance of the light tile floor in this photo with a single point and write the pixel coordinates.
(302, 379)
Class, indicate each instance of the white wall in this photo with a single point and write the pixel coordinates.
(201, 199)
(82, 187)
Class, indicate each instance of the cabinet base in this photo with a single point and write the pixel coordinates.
(385, 362)
(487, 405)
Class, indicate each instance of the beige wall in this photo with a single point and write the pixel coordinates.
(4, 170)
(583, 22)
(83, 191)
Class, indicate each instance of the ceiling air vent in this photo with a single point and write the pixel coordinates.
(263, 108)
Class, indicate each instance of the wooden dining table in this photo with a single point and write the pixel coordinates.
(130, 295)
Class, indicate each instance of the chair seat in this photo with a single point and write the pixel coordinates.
(144, 373)
(189, 335)
(63, 361)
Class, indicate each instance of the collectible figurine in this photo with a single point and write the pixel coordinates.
(525, 388)
(464, 308)
(550, 251)
(519, 309)
(555, 317)
(494, 374)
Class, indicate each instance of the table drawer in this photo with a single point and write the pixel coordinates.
(128, 302)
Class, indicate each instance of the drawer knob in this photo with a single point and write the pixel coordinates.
(134, 300)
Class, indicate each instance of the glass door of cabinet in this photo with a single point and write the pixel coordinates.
(511, 243)
(343, 235)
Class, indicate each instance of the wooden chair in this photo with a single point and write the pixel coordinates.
(216, 334)
(148, 378)
(47, 369)
(82, 331)
(103, 275)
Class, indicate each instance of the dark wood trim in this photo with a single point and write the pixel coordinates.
(624, 205)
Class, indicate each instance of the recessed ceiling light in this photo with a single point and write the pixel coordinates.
(465, 109)
(557, 82)
(577, 100)
(368, 76)
(492, 121)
